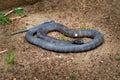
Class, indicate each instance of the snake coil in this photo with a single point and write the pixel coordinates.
(46, 42)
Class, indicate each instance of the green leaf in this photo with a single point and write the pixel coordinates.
(64, 37)
(19, 11)
(4, 19)
(1, 15)
(9, 68)
(7, 59)
(13, 59)
(117, 58)
(72, 75)
(10, 58)
(107, 17)
(83, 27)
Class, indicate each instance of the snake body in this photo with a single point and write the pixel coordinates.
(46, 42)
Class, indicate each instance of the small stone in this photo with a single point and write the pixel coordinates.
(101, 61)
(59, 57)
(48, 58)
(14, 79)
(35, 78)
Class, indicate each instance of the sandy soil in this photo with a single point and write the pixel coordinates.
(34, 63)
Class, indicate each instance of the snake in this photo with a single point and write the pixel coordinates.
(38, 36)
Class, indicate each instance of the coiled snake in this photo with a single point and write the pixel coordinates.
(46, 42)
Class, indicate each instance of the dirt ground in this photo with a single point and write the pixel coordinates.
(34, 63)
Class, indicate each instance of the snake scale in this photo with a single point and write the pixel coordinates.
(46, 42)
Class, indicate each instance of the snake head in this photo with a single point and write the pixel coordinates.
(78, 41)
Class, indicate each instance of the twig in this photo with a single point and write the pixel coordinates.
(18, 17)
(9, 12)
(3, 51)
